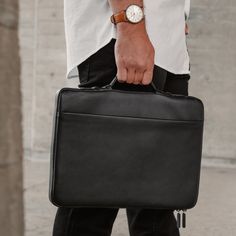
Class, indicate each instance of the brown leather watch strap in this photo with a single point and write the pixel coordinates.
(119, 17)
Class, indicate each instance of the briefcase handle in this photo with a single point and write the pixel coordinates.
(115, 80)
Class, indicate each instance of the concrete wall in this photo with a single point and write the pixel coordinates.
(43, 70)
(11, 148)
(213, 58)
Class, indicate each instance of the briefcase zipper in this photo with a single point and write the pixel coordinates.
(181, 218)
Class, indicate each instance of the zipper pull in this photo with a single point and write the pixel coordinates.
(184, 219)
(178, 219)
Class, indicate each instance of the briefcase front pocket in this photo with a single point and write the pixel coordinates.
(124, 161)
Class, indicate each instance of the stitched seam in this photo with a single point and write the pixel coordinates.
(131, 117)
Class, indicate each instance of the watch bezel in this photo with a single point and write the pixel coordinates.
(136, 22)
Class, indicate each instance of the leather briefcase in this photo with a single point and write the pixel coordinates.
(115, 148)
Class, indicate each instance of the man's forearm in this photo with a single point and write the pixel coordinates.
(134, 52)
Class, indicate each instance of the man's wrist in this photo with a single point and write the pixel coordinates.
(126, 27)
(132, 13)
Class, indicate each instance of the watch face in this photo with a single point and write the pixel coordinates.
(134, 13)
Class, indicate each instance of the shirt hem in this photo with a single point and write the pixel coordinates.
(74, 65)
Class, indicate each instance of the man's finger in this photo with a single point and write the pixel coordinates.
(147, 77)
(138, 77)
(122, 74)
(130, 75)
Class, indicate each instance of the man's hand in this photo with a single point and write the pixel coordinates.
(134, 54)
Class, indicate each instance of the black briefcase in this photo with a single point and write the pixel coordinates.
(115, 148)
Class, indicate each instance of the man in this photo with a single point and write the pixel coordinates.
(139, 41)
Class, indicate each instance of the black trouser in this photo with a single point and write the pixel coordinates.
(98, 70)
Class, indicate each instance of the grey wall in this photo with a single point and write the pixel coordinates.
(43, 70)
(213, 57)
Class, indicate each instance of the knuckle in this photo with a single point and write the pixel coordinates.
(141, 65)
(131, 63)
(119, 60)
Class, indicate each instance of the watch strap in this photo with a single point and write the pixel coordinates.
(119, 17)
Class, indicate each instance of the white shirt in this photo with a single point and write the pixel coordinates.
(88, 28)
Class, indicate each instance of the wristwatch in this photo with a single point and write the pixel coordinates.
(132, 14)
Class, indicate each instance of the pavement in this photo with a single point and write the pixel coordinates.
(214, 215)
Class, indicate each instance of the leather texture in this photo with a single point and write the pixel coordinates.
(119, 17)
(114, 148)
